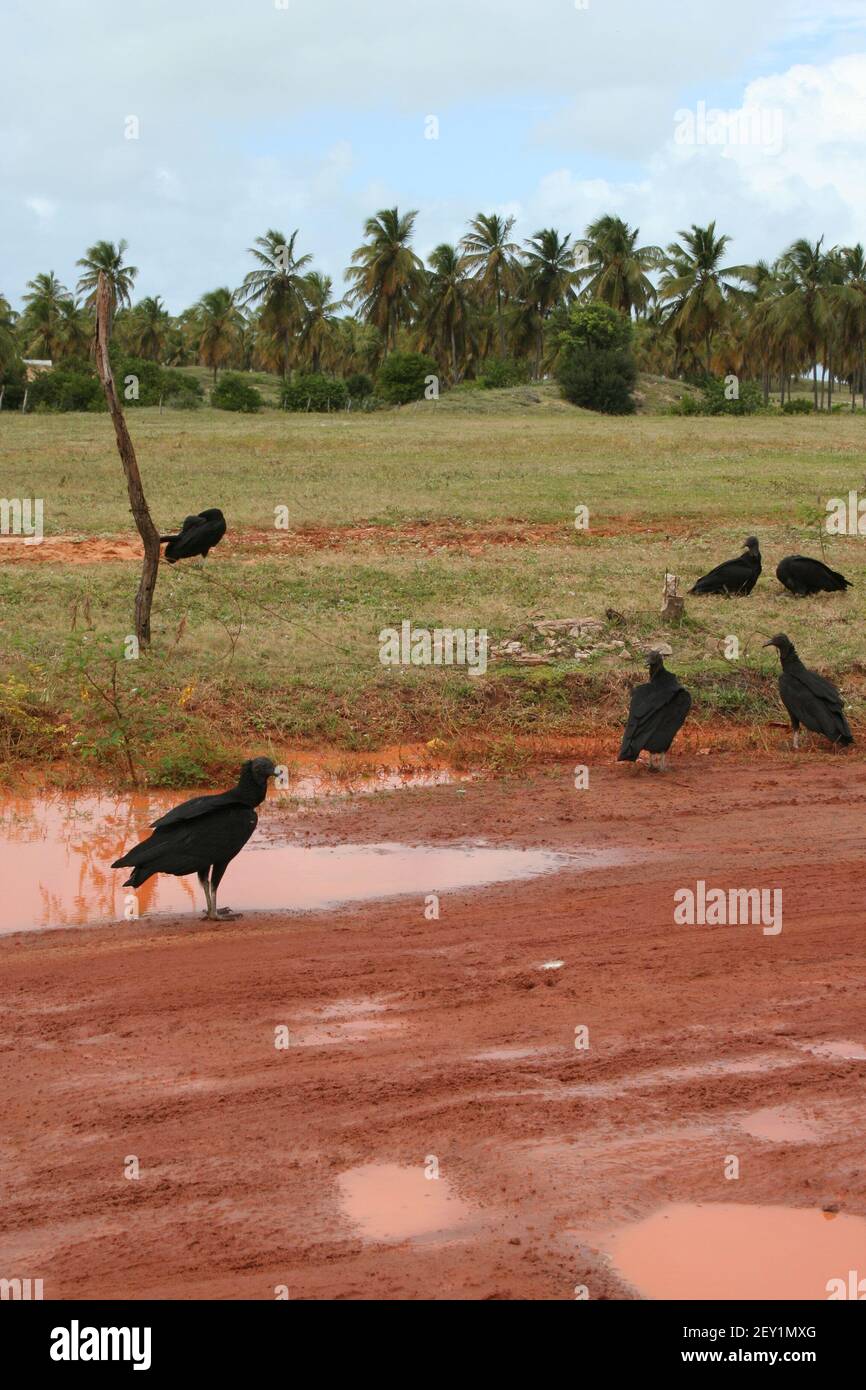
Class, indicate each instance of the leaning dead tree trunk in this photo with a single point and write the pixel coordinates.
(137, 500)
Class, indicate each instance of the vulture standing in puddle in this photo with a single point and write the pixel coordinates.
(202, 836)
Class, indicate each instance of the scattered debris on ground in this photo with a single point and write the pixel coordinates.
(543, 642)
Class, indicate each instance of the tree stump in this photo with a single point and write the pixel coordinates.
(673, 606)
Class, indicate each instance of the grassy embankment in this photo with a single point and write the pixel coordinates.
(470, 512)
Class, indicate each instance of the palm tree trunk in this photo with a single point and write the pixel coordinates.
(815, 381)
(500, 325)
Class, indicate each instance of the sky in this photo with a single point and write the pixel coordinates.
(313, 114)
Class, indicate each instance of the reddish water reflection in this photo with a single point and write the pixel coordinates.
(55, 858)
(730, 1250)
(391, 1201)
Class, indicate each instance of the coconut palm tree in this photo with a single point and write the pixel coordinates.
(76, 330)
(802, 312)
(761, 345)
(217, 327)
(447, 308)
(277, 286)
(106, 257)
(853, 313)
(148, 327)
(698, 286)
(386, 275)
(548, 280)
(43, 319)
(9, 349)
(318, 336)
(615, 267)
(491, 261)
(358, 346)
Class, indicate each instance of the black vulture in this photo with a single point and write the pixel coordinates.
(808, 697)
(657, 712)
(202, 836)
(803, 576)
(198, 535)
(735, 576)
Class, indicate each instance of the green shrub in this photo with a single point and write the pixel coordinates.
(13, 384)
(503, 371)
(73, 387)
(798, 405)
(595, 366)
(140, 382)
(749, 398)
(314, 391)
(687, 405)
(403, 377)
(359, 386)
(233, 393)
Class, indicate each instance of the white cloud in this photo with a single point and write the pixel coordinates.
(254, 117)
(43, 207)
(762, 195)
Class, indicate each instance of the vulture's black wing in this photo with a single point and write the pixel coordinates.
(803, 575)
(190, 846)
(733, 577)
(197, 806)
(815, 702)
(651, 713)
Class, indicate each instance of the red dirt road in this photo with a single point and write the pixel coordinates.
(251, 544)
(156, 1039)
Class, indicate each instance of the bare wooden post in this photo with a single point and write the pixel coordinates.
(672, 604)
(137, 500)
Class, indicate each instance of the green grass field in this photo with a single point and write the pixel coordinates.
(275, 645)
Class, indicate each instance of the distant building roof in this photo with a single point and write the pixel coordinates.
(38, 362)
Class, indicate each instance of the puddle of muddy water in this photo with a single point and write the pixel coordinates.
(55, 858)
(780, 1124)
(729, 1250)
(392, 1201)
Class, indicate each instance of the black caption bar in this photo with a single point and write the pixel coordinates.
(154, 1338)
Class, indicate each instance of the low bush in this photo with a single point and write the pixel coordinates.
(359, 386)
(503, 371)
(73, 387)
(404, 377)
(233, 393)
(595, 365)
(314, 391)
